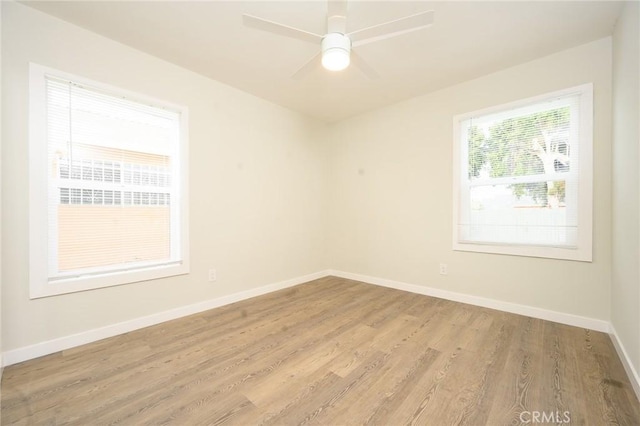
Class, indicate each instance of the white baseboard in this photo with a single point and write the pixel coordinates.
(634, 378)
(59, 344)
(51, 346)
(560, 317)
(45, 348)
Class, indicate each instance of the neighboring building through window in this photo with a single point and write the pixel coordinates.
(108, 185)
(523, 177)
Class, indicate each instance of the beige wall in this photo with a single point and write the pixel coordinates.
(257, 183)
(625, 286)
(275, 195)
(391, 192)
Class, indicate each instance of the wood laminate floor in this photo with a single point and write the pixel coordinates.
(331, 352)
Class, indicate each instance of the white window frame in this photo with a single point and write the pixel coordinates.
(39, 242)
(583, 249)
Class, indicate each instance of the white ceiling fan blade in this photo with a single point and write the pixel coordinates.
(337, 16)
(392, 28)
(279, 29)
(307, 68)
(363, 66)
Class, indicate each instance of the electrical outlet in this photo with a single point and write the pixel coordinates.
(212, 275)
(443, 269)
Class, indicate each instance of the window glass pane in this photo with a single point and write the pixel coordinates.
(64, 195)
(524, 145)
(115, 147)
(87, 170)
(117, 177)
(64, 169)
(97, 197)
(108, 171)
(97, 171)
(76, 196)
(75, 170)
(514, 214)
(87, 196)
(519, 181)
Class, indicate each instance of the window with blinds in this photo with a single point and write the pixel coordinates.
(108, 168)
(523, 177)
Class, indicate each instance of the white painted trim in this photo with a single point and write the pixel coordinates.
(43, 237)
(530, 311)
(51, 346)
(56, 345)
(581, 155)
(634, 378)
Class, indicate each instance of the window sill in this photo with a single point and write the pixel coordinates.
(40, 287)
(558, 253)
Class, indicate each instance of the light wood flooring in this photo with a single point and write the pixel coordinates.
(331, 352)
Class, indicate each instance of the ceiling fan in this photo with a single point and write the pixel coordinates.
(336, 45)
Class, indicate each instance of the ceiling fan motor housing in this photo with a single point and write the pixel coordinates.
(336, 49)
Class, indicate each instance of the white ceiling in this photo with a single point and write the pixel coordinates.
(467, 40)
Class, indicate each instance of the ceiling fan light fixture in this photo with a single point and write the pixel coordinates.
(336, 44)
(336, 50)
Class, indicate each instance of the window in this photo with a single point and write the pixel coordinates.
(523, 177)
(107, 185)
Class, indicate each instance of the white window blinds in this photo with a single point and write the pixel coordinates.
(520, 175)
(114, 182)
